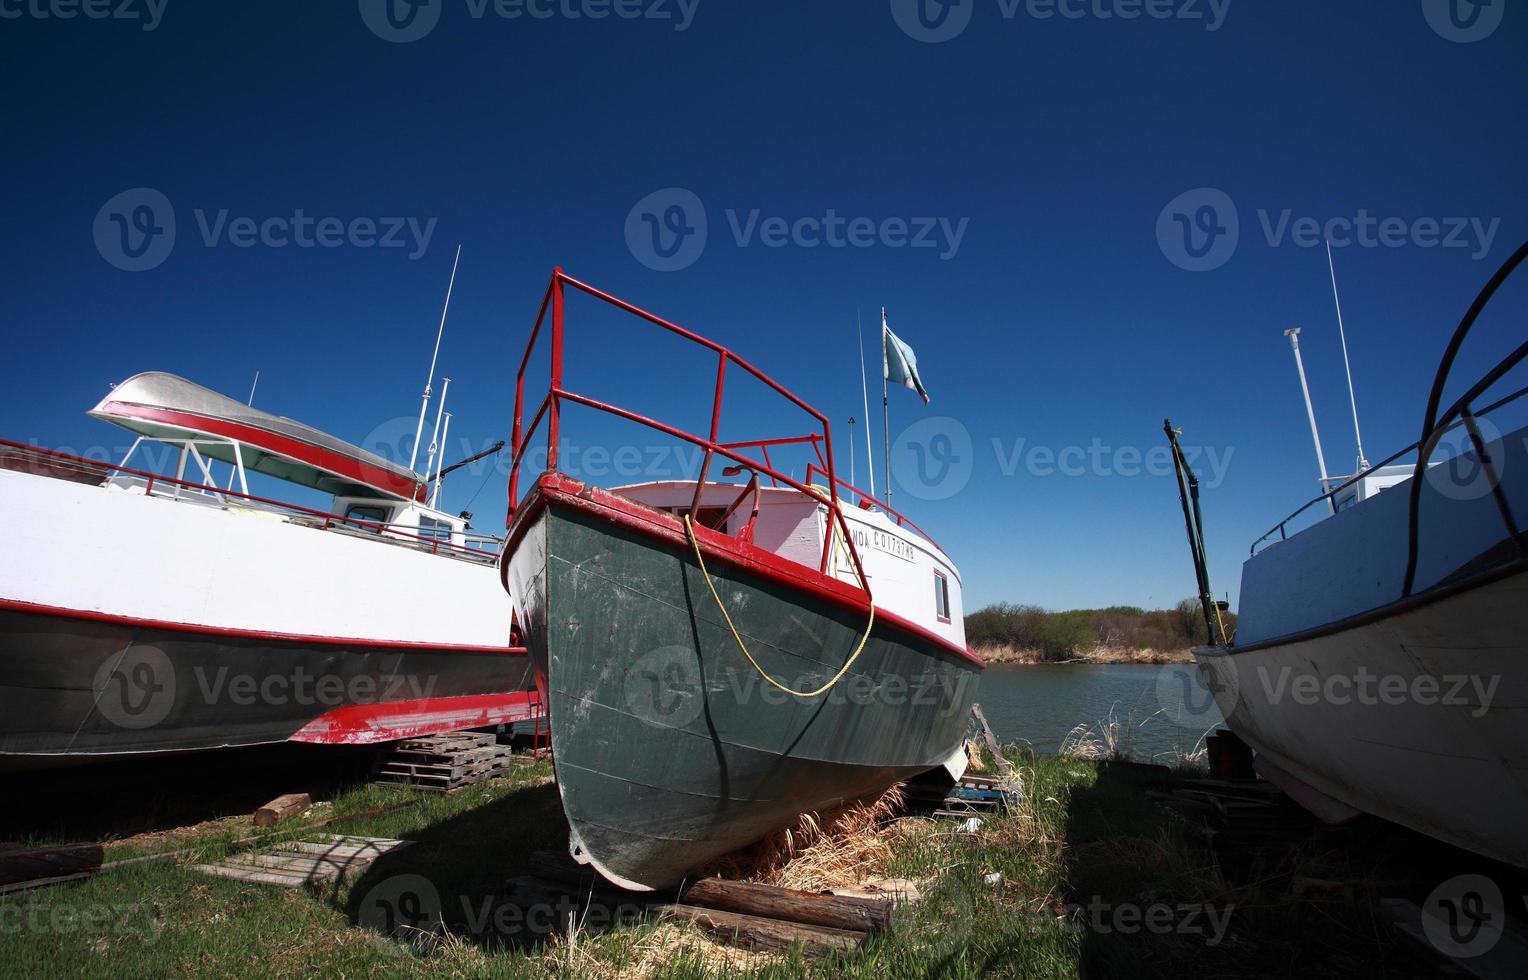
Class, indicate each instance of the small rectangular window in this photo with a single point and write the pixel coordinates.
(941, 597)
(356, 513)
(432, 530)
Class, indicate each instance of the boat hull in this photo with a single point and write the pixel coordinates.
(671, 748)
(79, 686)
(1417, 714)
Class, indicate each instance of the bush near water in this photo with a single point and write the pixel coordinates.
(1012, 633)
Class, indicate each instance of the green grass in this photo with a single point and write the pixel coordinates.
(1086, 843)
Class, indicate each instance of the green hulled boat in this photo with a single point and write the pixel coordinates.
(713, 663)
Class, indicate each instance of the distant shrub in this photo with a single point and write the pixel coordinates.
(1067, 635)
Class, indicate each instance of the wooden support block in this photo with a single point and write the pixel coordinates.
(282, 808)
(27, 864)
(767, 901)
(756, 932)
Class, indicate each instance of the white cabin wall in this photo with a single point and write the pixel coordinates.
(120, 552)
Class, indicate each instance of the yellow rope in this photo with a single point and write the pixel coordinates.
(689, 529)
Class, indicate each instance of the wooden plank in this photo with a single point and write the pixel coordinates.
(1506, 959)
(767, 901)
(266, 877)
(282, 808)
(989, 740)
(756, 932)
(28, 864)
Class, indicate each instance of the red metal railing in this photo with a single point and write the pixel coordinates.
(550, 408)
(862, 499)
(435, 546)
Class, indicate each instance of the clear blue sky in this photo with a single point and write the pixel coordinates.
(1051, 145)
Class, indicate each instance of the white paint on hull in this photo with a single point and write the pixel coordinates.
(1445, 752)
(105, 550)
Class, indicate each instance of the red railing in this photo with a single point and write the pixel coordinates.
(863, 499)
(329, 520)
(550, 408)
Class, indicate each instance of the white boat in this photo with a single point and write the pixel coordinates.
(145, 613)
(1379, 660)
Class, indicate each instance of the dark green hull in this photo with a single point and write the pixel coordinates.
(670, 748)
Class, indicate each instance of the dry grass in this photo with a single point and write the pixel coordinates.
(832, 849)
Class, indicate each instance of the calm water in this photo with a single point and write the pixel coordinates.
(1164, 708)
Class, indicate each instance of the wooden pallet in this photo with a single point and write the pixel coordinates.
(293, 864)
(446, 763)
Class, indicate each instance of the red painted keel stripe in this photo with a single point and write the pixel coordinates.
(360, 724)
(16, 605)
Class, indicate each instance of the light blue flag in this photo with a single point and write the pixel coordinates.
(900, 361)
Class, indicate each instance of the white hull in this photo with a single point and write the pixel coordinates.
(1419, 716)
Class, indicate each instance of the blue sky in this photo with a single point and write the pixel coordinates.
(1012, 194)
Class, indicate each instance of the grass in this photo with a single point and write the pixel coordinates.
(1053, 888)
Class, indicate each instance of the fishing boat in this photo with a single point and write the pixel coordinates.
(1378, 661)
(720, 657)
(146, 612)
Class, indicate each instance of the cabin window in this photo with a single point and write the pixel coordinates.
(356, 513)
(432, 530)
(941, 597)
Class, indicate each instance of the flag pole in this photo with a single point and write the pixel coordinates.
(865, 394)
(885, 407)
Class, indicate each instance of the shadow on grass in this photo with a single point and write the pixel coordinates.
(1156, 892)
(108, 800)
(462, 873)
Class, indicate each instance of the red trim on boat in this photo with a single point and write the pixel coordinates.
(361, 724)
(304, 452)
(717, 546)
(16, 605)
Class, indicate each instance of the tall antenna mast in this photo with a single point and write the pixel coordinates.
(429, 381)
(251, 402)
(1293, 333)
(865, 391)
(1363, 464)
(434, 436)
(444, 438)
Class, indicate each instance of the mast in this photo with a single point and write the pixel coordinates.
(445, 435)
(430, 380)
(434, 445)
(865, 392)
(852, 453)
(1363, 464)
(1293, 333)
(885, 407)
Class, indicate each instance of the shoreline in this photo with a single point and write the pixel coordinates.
(1009, 656)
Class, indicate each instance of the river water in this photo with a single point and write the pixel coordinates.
(1161, 711)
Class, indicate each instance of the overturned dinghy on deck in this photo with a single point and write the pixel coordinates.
(713, 661)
